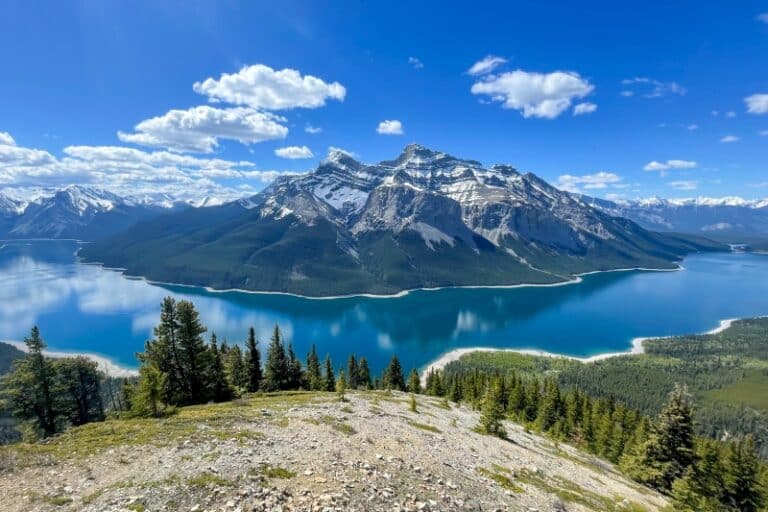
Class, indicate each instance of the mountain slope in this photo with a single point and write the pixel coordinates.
(308, 452)
(79, 212)
(726, 218)
(425, 219)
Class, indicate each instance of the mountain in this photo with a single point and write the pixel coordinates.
(80, 212)
(731, 218)
(425, 219)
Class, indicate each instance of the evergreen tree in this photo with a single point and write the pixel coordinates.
(253, 366)
(146, 396)
(353, 372)
(276, 373)
(220, 390)
(744, 490)
(314, 377)
(295, 372)
(29, 387)
(414, 382)
(236, 369)
(193, 352)
(492, 411)
(551, 407)
(434, 383)
(363, 374)
(702, 486)
(341, 385)
(330, 379)
(393, 375)
(78, 390)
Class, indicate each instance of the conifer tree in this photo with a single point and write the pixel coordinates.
(78, 389)
(363, 374)
(253, 366)
(236, 369)
(393, 375)
(314, 377)
(341, 385)
(217, 379)
(414, 382)
(353, 372)
(492, 411)
(295, 372)
(744, 490)
(330, 379)
(193, 352)
(146, 396)
(701, 489)
(276, 372)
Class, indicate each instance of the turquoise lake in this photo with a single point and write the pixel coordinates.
(87, 309)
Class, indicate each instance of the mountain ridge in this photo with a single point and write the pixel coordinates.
(425, 219)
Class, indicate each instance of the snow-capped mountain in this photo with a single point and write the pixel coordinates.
(10, 207)
(423, 219)
(728, 217)
(76, 211)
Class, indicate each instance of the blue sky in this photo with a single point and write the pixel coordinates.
(673, 96)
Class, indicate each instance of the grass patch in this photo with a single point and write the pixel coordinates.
(276, 472)
(424, 426)
(208, 480)
(500, 479)
(58, 501)
(750, 391)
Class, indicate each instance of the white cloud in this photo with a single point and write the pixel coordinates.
(715, 113)
(654, 88)
(6, 139)
(261, 87)
(683, 185)
(416, 63)
(729, 138)
(200, 128)
(584, 108)
(730, 114)
(764, 133)
(692, 127)
(757, 103)
(390, 127)
(600, 180)
(486, 65)
(668, 165)
(312, 129)
(544, 95)
(763, 17)
(294, 152)
(627, 93)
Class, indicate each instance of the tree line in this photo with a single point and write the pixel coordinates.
(664, 453)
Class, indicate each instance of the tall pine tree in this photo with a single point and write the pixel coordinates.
(253, 366)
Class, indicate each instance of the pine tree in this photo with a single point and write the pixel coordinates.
(314, 377)
(146, 396)
(253, 366)
(742, 478)
(353, 372)
(220, 390)
(412, 403)
(434, 383)
(550, 410)
(330, 379)
(414, 382)
(363, 374)
(341, 385)
(393, 375)
(276, 373)
(236, 369)
(78, 389)
(701, 489)
(193, 353)
(492, 411)
(295, 372)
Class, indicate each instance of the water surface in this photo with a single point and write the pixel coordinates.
(85, 308)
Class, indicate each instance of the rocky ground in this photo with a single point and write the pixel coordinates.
(311, 452)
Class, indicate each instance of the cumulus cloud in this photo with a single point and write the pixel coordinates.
(312, 129)
(683, 185)
(486, 65)
(757, 103)
(597, 181)
(294, 152)
(584, 108)
(6, 139)
(543, 95)
(129, 171)
(729, 138)
(200, 128)
(416, 63)
(390, 127)
(261, 87)
(669, 164)
(652, 88)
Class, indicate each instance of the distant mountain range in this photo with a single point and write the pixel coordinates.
(728, 218)
(424, 219)
(80, 212)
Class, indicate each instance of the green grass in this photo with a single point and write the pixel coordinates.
(751, 391)
(276, 472)
(58, 501)
(209, 480)
(501, 479)
(424, 426)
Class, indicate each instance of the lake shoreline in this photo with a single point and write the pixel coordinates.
(637, 347)
(104, 363)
